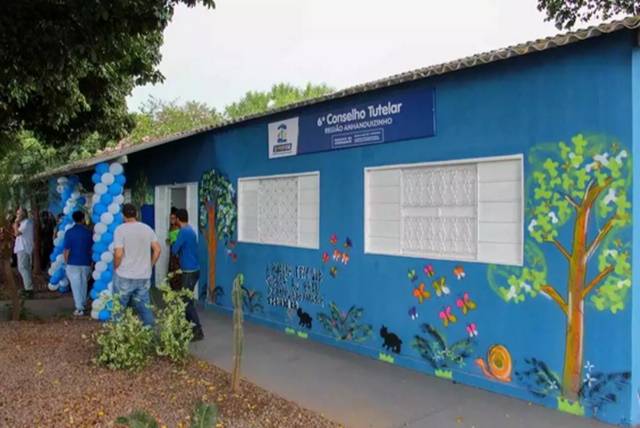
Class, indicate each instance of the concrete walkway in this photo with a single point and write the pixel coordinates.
(361, 392)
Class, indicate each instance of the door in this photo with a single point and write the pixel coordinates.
(161, 214)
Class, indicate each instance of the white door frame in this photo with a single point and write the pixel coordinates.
(161, 217)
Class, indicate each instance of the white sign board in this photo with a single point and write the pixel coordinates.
(283, 138)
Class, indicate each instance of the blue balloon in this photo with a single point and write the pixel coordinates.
(95, 257)
(93, 294)
(95, 218)
(118, 218)
(121, 179)
(81, 201)
(115, 189)
(106, 276)
(100, 247)
(63, 290)
(101, 168)
(95, 178)
(104, 315)
(99, 209)
(106, 198)
(52, 257)
(107, 238)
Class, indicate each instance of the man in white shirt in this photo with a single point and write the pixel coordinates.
(23, 248)
(136, 251)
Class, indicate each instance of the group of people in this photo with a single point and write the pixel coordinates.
(136, 251)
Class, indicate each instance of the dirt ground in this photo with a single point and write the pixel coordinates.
(47, 379)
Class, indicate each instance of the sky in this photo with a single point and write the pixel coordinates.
(216, 56)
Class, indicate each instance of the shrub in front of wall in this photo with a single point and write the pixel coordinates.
(174, 331)
(126, 344)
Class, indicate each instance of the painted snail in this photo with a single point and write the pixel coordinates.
(498, 365)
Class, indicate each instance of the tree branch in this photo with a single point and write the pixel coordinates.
(571, 201)
(561, 248)
(600, 237)
(551, 292)
(592, 192)
(595, 281)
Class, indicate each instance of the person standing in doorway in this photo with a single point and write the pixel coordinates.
(77, 256)
(174, 262)
(186, 247)
(23, 248)
(136, 251)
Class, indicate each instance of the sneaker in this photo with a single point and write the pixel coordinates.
(198, 335)
(78, 313)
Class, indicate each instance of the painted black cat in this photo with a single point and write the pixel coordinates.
(305, 319)
(391, 341)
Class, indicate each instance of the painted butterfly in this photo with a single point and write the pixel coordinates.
(465, 303)
(347, 243)
(429, 271)
(420, 293)
(447, 316)
(333, 271)
(333, 240)
(337, 255)
(459, 273)
(325, 257)
(472, 329)
(413, 313)
(345, 258)
(412, 275)
(440, 285)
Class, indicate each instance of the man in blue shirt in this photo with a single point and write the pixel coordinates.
(77, 256)
(186, 247)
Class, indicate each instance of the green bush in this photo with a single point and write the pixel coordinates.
(126, 344)
(204, 416)
(174, 331)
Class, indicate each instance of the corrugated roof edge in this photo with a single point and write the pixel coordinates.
(629, 23)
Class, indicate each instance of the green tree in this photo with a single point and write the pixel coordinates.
(279, 95)
(572, 187)
(68, 65)
(159, 118)
(565, 13)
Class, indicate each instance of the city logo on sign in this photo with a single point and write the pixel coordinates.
(283, 145)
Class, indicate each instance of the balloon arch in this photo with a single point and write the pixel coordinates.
(106, 215)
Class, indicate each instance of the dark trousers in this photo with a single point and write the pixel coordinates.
(189, 280)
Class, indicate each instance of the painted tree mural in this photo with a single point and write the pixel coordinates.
(577, 202)
(218, 213)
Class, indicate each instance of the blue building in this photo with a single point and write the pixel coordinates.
(471, 220)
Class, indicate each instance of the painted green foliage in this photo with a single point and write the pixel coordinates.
(345, 325)
(561, 174)
(216, 190)
(578, 203)
(438, 352)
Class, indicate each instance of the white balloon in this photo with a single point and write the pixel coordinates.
(57, 242)
(52, 287)
(111, 247)
(96, 275)
(75, 195)
(67, 227)
(95, 198)
(101, 266)
(119, 199)
(60, 258)
(62, 180)
(114, 208)
(66, 210)
(106, 257)
(94, 315)
(100, 228)
(59, 189)
(106, 218)
(60, 234)
(108, 178)
(97, 237)
(100, 188)
(116, 168)
(63, 282)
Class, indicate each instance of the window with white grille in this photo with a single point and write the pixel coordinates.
(280, 210)
(463, 210)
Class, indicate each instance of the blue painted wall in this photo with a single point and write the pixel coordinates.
(503, 108)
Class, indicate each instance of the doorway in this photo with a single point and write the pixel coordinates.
(183, 196)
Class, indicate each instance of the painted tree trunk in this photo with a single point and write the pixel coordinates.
(574, 344)
(212, 249)
(238, 331)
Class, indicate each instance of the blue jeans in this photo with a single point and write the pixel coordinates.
(135, 291)
(79, 278)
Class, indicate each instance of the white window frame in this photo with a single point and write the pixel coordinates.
(241, 238)
(476, 161)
